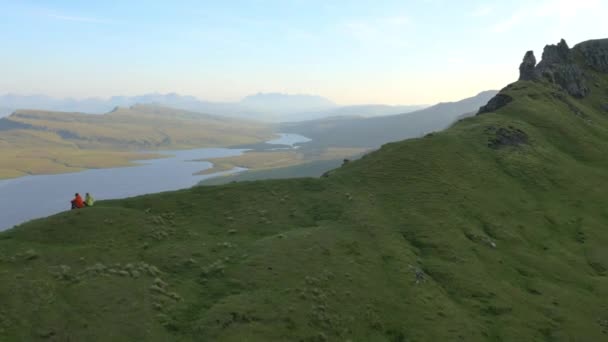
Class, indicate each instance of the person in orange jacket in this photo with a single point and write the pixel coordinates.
(77, 202)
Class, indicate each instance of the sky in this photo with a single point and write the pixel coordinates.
(352, 52)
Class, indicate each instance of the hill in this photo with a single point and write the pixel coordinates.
(373, 132)
(4, 111)
(95, 105)
(269, 107)
(142, 126)
(34, 142)
(491, 230)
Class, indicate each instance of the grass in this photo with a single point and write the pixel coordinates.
(439, 238)
(255, 160)
(265, 160)
(308, 169)
(36, 161)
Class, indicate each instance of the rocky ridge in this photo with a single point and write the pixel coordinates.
(563, 66)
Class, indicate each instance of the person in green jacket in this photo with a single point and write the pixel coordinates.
(89, 200)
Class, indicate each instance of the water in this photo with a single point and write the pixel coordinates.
(289, 139)
(30, 197)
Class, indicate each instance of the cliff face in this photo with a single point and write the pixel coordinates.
(558, 66)
(595, 53)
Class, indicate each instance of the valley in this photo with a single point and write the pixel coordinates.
(491, 230)
(42, 142)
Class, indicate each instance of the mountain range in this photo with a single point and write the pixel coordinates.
(349, 131)
(262, 106)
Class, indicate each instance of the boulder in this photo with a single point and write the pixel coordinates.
(505, 137)
(497, 102)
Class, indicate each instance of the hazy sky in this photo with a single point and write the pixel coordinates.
(377, 51)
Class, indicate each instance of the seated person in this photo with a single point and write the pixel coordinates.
(77, 202)
(89, 200)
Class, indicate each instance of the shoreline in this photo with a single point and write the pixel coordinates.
(57, 166)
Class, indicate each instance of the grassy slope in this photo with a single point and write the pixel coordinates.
(336, 258)
(308, 169)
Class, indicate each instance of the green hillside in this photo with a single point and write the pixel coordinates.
(495, 229)
(307, 169)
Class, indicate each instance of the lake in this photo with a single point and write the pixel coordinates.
(26, 198)
(288, 139)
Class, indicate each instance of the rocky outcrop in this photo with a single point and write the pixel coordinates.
(558, 66)
(595, 53)
(497, 102)
(555, 54)
(567, 68)
(527, 71)
(505, 137)
(570, 78)
(562, 65)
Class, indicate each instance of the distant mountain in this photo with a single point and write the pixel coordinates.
(373, 132)
(370, 110)
(267, 107)
(12, 102)
(190, 103)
